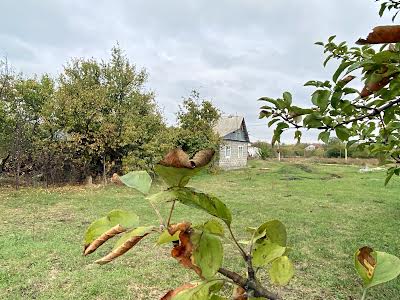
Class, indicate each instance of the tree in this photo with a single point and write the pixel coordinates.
(368, 118)
(196, 119)
(103, 115)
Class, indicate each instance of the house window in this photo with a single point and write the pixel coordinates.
(240, 151)
(228, 151)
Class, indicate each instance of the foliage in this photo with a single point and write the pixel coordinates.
(196, 119)
(367, 118)
(95, 119)
(265, 150)
(197, 247)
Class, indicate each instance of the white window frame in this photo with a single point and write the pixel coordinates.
(240, 151)
(228, 149)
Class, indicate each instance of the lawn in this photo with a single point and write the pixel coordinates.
(329, 211)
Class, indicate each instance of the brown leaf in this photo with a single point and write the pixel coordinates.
(115, 179)
(184, 250)
(203, 157)
(373, 87)
(177, 158)
(239, 293)
(382, 35)
(121, 249)
(347, 79)
(172, 293)
(173, 228)
(367, 260)
(117, 229)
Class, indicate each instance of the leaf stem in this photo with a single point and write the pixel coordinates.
(244, 255)
(160, 218)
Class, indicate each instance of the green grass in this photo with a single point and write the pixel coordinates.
(329, 212)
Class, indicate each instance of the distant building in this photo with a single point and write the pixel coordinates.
(254, 152)
(310, 148)
(233, 150)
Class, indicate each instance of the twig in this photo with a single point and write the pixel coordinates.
(170, 213)
(259, 291)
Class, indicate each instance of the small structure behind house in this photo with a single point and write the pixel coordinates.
(254, 152)
(235, 139)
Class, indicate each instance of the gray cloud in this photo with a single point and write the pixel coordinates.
(232, 51)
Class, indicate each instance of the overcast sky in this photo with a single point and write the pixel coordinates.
(231, 51)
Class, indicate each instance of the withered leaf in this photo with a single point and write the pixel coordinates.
(172, 293)
(116, 180)
(173, 228)
(382, 35)
(203, 157)
(183, 251)
(367, 260)
(125, 243)
(177, 158)
(239, 293)
(117, 229)
(373, 87)
(347, 79)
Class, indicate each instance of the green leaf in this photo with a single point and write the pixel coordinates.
(265, 252)
(278, 131)
(211, 226)
(387, 268)
(124, 218)
(324, 136)
(139, 180)
(288, 98)
(163, 196)
(139, 231)
(312, 121)
(320, 98)
(389, 175)
(176, 176)
(275, 231)
(270, 100)
(165, 237)
(199, 292)
(281, 271)
(342, 133)
(207, 253)
(340, 69)
(206, 202)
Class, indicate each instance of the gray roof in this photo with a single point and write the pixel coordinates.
(229, 124)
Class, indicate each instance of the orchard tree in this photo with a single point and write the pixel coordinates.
(368, 118)
(196, 119)
(104, 114)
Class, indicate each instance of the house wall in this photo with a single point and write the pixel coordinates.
(234, 161)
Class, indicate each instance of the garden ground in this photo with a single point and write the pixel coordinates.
(329, 211)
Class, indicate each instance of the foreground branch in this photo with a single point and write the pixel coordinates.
(252, 285)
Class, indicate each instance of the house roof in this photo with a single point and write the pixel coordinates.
(229, 124)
